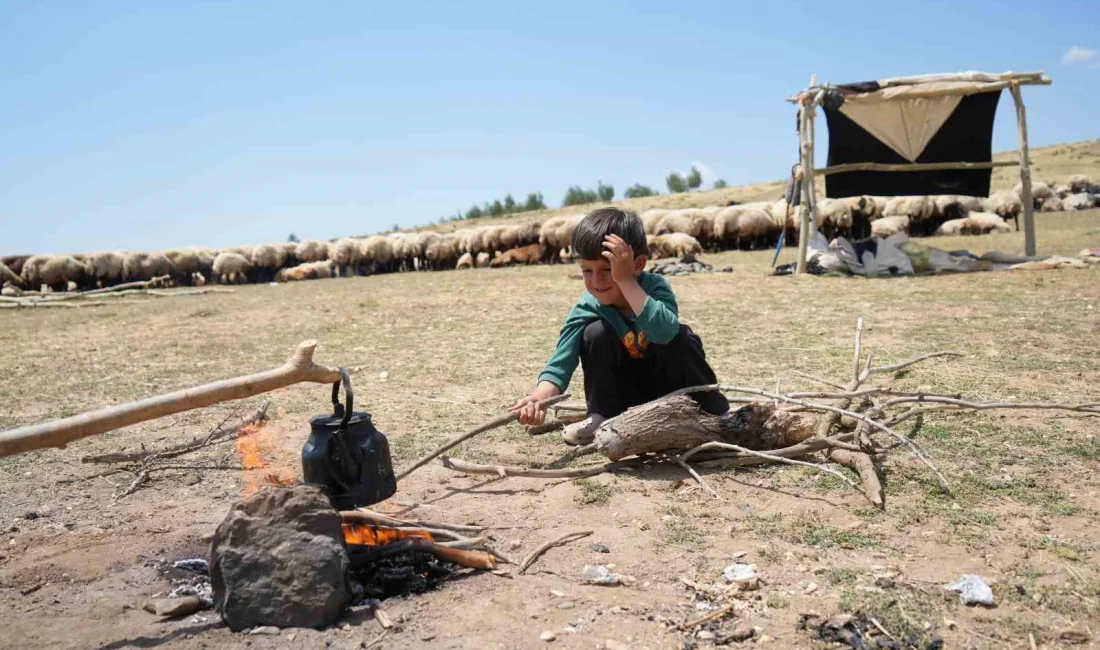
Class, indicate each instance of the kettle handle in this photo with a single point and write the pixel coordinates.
(343, 410)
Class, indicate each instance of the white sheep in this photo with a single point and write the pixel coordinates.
(1004, 204)
(465, 262)
(1079, 183)
(673, 244)
(145, 266)
(311, 250)
(890, 225)
(1053, 204)
(441, 252)
(375, 254)
(650, 218)
(265, 262)
(483, 260)
(53, 271)
(231, 268)
(977, 223)
(306, 271)
(344, 253)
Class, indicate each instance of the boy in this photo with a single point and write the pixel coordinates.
(625, 330)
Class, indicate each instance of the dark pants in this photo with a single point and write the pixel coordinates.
(613, 381)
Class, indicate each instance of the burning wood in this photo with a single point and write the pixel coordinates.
(367, 535)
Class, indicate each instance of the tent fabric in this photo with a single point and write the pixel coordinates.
(966, 135)
(906, 126)
(884, 94)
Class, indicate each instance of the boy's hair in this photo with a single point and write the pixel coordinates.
(588, 236)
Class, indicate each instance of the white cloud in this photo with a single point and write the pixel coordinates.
(1077, 54)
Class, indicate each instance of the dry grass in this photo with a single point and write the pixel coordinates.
(459, 347)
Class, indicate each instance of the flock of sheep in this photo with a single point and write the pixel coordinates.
(670, 232)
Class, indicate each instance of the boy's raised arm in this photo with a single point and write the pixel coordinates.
(659, 317)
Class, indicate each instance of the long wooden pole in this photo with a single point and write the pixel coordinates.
(299, 368)
(804, 203)
(1025, 172)
(910, 167)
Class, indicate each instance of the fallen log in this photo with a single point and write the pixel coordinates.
(679, 423)
(299, 368)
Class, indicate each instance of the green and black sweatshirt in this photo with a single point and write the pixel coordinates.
(658, 322)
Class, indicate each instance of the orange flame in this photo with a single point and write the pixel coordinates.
(368, 535)
(250, 446)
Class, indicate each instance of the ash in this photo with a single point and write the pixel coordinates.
(684, 266)
(401, 574)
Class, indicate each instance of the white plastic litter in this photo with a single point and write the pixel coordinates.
(742, 574)
(598, 574)
(972, 590)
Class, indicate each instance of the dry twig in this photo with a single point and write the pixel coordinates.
(537, 553)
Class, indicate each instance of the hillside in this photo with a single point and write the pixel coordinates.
(1050, 164)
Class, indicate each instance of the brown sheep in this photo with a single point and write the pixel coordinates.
(673, 244)
(441, 253)
(524, 255)
(104, 268)
(306, 271)
(345, 255)
(15, 262)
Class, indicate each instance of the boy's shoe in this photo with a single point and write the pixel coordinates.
(583, 432)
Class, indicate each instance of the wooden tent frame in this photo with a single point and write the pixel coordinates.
(811, 97)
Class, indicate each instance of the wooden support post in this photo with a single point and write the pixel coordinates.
(1025, 172)
(804, 203)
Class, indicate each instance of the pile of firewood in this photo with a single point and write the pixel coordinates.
(853, 424)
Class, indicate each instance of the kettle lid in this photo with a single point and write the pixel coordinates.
(332, 421)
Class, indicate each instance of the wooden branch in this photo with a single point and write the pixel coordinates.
(695, 475)
(770, 457)
(905, 364)
(865, 467)
(1090, 409)
(299, 368)
(858, 351)
(794, 451)
(496, 422)
(503, 471)
(221, 432)
(464, 558)
(537, 553)
(909, 167)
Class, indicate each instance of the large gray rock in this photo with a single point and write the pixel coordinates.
(279, 559)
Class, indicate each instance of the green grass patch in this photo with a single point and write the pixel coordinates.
(840, 576)
(592, 493)
(681, 533)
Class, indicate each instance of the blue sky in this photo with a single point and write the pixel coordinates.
(152, 124)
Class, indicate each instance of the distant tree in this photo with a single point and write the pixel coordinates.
(474, 213)
(496, 209)
(534, 202)
(605, 192)
(637, 191)
(579, 196)
(293, 237)
(720, 184)
(395, 228)
(675, 183)
(509, 204)
(695, 178)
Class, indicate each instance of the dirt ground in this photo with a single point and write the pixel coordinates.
(445, 351)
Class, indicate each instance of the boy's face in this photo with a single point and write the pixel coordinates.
(599, 283)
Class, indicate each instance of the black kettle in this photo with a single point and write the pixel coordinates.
(346, 456)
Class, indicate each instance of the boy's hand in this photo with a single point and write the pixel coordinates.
(621, 256)
(530, 413)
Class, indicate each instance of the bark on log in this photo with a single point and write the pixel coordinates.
(679, 423)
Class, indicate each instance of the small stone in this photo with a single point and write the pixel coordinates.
(547, 636)
(739, 554)
(291, 636)
(566, 605)
(765, 639)
(570, 629)
(206, 538)
(31, 516)
(427, 637)
(556, 594)
(742, 632)
(598, 548)
(346, 627)
(810, 588)
(615, 610)
(514, 545)
(267, 630)
(949, 624)
(705, 635)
